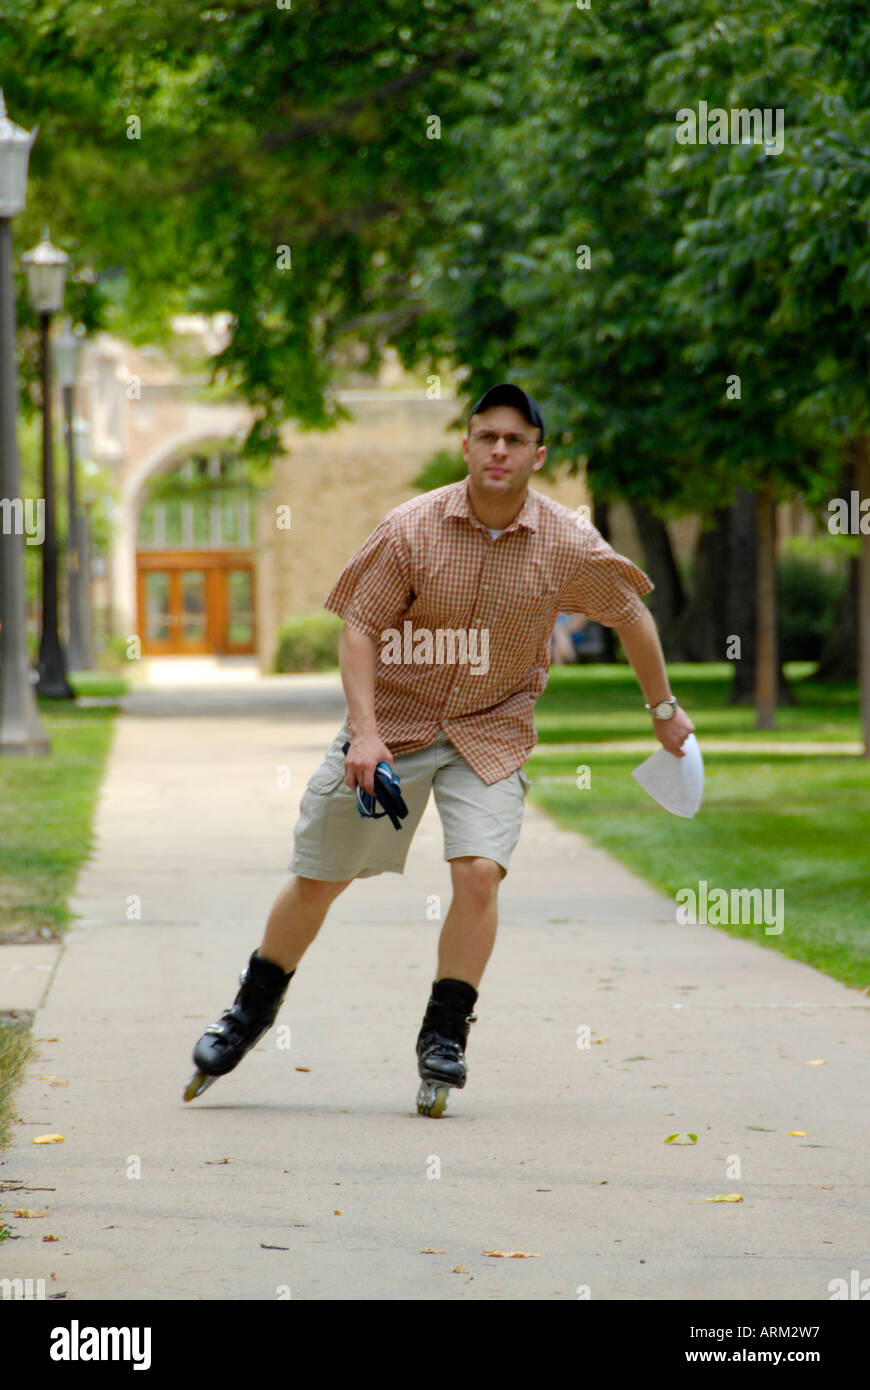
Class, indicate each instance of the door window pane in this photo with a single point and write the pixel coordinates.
(157, 622)
(240, 613)
(192, 605)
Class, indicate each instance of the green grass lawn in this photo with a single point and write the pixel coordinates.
(46, 811)
(97, 683)
(46, 814)
(799, 823)
(596, 703)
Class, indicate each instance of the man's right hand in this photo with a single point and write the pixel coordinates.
(363, 756)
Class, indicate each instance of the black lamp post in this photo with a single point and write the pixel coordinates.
(46, 271)
(82, 437)
(21, 730)
(67, 348)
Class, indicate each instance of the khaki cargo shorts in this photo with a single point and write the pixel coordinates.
(334, 842)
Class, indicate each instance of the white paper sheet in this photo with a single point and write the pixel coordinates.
(675, 783)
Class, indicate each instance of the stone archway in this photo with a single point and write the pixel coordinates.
(208, 436)
(193, 523)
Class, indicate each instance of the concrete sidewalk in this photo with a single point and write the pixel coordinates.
(307, 1173)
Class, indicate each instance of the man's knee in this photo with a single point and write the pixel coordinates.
(476, 878)
(319, 889)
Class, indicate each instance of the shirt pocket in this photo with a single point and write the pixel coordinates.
(535, 589)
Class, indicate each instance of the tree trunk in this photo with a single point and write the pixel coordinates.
(602, 524)
(741, 599)
(703, 626)
(766, 663)
(668, 599)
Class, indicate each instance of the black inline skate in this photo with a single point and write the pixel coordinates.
(224, 1044)
(441, 1044)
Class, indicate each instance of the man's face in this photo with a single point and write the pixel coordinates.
(502, 451)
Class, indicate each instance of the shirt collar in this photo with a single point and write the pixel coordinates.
(459, 504)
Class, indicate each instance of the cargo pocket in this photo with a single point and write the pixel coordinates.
(328, 776)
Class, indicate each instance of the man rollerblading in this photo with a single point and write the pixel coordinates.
(481, 567)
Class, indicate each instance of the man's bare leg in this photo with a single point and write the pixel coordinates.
(295, 919)
(468, 934)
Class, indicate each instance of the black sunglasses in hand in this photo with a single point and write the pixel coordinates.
(387, 794)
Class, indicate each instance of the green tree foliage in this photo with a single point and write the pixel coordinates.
(180, 148)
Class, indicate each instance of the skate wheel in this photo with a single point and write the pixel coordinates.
(432, 1099)
(198, 1083)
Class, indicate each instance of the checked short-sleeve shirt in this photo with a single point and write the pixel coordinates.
(431, 565)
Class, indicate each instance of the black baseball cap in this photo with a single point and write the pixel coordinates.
(508, 394)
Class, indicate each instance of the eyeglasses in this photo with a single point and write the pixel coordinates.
(514, 442)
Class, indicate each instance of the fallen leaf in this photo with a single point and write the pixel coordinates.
(336, 1213)
(429, 1250)
(600, 1040)
(816, 1062)
(217, 1160)
(60, 1083)
(512, 1254)
(459, 1269)
(799, 1133)
(303, 1068)
(680, 1139)
(51, 1237)
(49, 1139)
(25, 1211)
(733, 1197)
(50, 1077)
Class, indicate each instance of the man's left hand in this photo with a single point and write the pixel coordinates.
(672, 733)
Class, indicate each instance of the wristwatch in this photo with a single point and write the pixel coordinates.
(664, 710)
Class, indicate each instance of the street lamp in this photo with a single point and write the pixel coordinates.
(67, 350)
(21, 729)
(46, 266)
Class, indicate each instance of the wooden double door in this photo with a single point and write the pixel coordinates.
(195, 603)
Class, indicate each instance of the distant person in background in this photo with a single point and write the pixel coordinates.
(568, 638)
